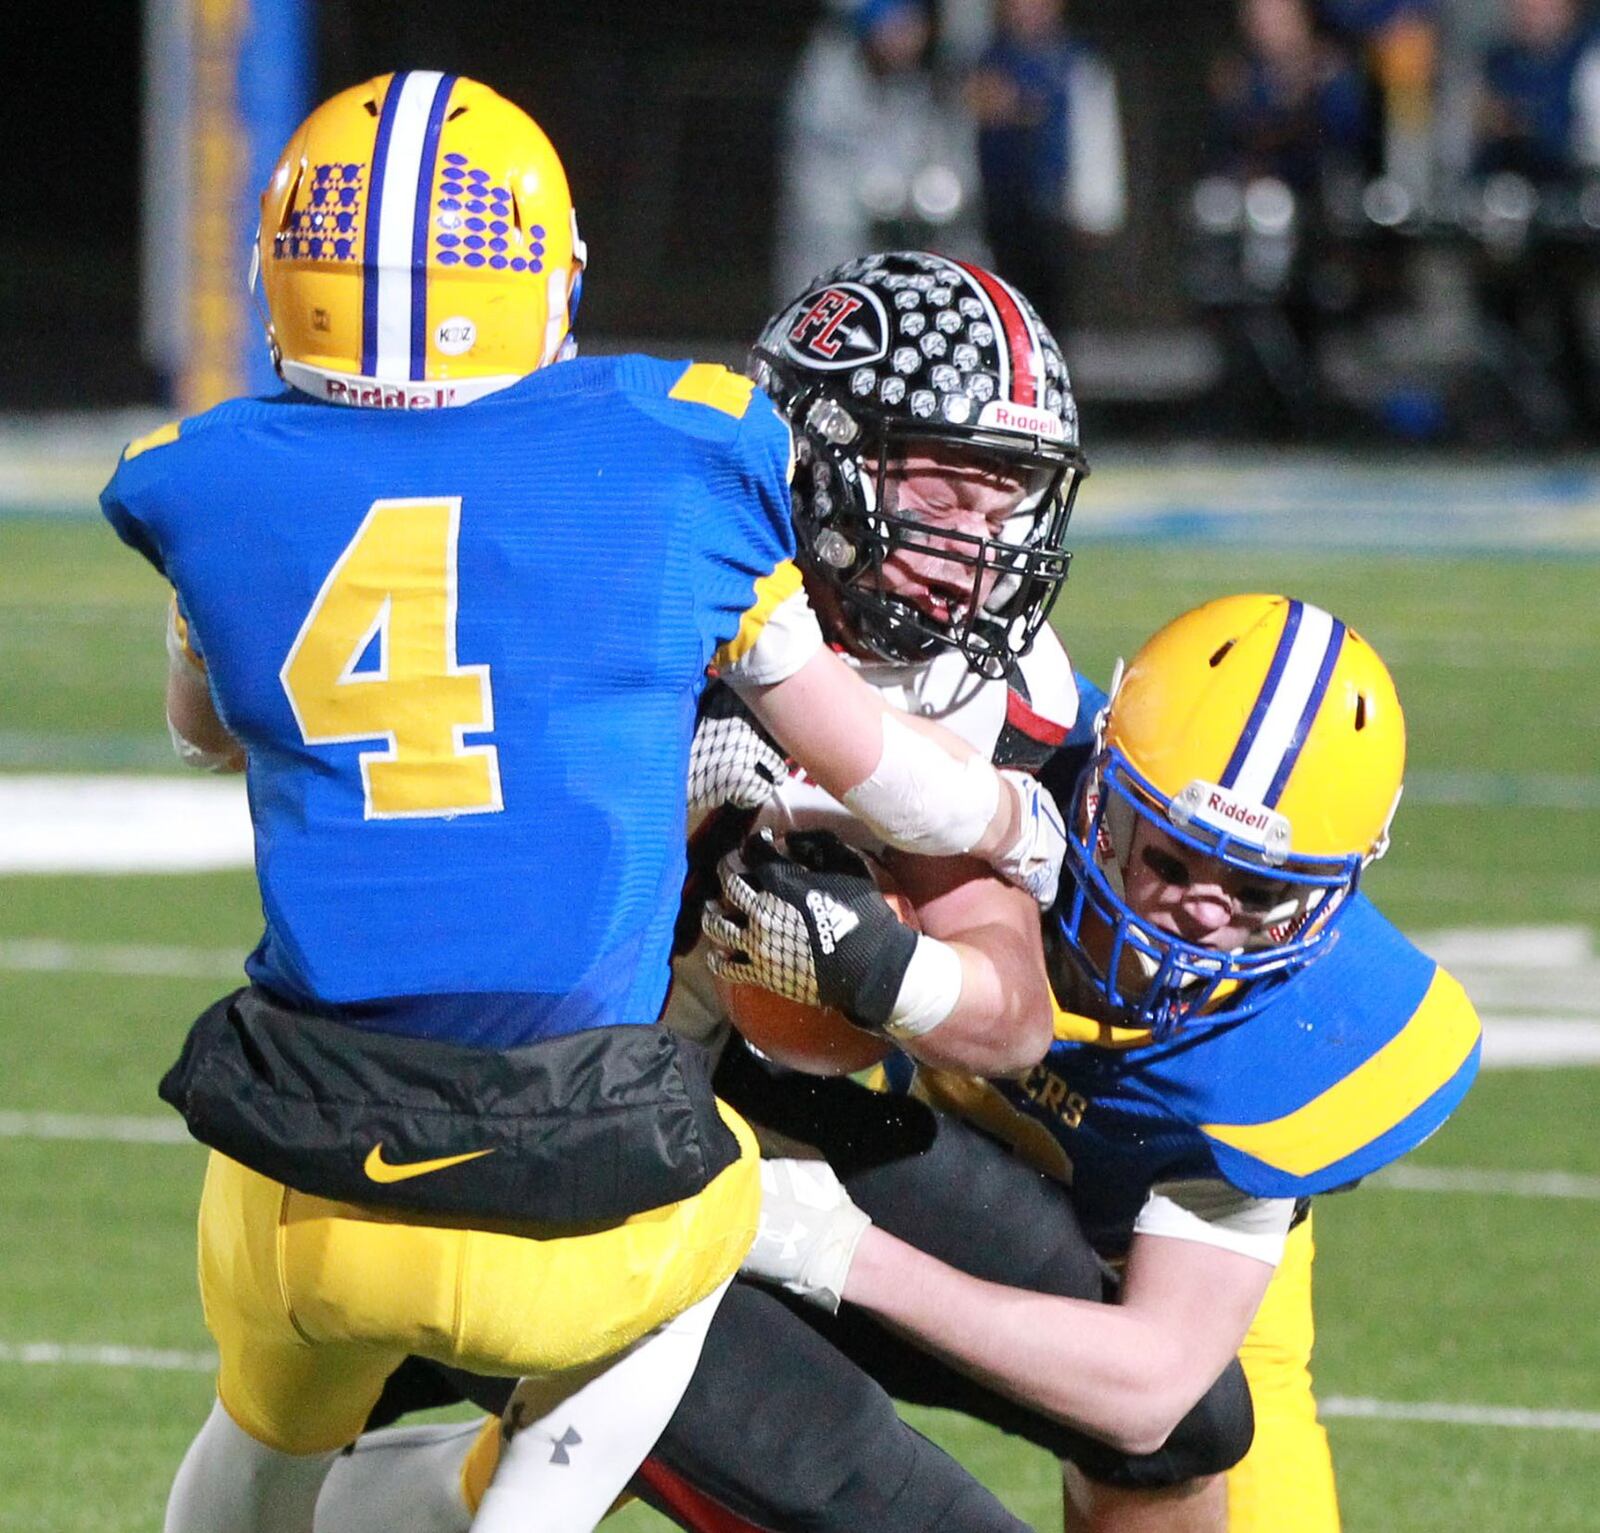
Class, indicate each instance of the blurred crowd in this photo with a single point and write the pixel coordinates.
(1394, 215)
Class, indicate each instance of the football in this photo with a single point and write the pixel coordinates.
(816, 1039)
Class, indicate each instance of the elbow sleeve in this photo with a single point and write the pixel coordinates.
(920, 799)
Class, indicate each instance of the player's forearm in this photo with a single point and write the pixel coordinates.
(1000, 1023)
(916, 785)
(199, 736)
(826, 717)
(1101, 1368)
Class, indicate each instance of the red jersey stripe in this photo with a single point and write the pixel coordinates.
(1034, 725)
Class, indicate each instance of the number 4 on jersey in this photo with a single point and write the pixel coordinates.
(394, 586)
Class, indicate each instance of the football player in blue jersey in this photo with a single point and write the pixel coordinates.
(1237, 1029)
(934, 423)
(451, 606)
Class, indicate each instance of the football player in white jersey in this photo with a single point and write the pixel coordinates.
(938, 462)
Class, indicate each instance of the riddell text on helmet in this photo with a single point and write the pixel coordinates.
(1020, 418)
(1240, 814)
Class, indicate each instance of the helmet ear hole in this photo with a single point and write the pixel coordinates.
(1221, 654)
(370, 106)
(1361, 710)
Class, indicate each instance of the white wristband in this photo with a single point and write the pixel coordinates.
(920, 799)
(929, 991)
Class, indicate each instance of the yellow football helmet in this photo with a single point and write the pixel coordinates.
(417, 245)
(1259, 731)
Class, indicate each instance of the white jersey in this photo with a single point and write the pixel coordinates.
(1015, 722)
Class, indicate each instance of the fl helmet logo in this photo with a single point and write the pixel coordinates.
(839, 326)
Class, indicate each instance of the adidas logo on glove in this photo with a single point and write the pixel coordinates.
(834, 921)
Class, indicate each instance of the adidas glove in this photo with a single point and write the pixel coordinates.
(733, 760)
(810, 925)
(808, 1232)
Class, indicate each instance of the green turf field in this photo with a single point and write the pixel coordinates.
(1468, 1298)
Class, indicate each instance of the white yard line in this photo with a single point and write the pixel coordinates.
(57, 1354)
(1401, 1178)
(97, 1130)
(1568, 1034)
(102, 821)
(49, 955)
(1466, 788)
(1511, 1043)
(51, 1354)
(1562, 946)
(111, 824)
(1510, 1184)
(1449, 1413)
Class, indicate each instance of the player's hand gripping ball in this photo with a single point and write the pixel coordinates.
(803, 921)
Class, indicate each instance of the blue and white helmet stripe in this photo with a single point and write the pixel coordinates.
(395, 254)
(1295, 685)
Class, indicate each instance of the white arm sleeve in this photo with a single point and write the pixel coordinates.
(921, 799)
(1217, 1214)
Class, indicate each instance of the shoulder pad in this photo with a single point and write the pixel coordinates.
(1061, 772)
(711, 384)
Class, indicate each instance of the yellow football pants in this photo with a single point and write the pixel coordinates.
(1285, 1483)
(314, 1303)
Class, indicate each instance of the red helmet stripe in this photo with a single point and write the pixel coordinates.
(1019, 334)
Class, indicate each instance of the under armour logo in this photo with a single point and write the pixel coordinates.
(780, 1240)
(568, 1439)
(834, 921)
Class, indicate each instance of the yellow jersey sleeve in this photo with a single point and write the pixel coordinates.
(1375, 1098)
(777, 635)
(179, 646)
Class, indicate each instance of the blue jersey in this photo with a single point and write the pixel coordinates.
(463, 649)
(1354, 1062)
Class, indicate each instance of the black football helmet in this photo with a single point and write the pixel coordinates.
(905, 351)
